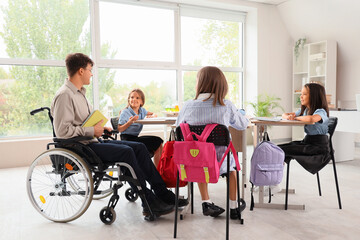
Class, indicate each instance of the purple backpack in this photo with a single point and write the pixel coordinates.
(267, 164)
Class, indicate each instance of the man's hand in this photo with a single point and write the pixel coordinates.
(98, 129)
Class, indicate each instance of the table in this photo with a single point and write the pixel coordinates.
(260, 127)
(166, 121)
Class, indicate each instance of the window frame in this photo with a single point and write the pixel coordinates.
(131, 64)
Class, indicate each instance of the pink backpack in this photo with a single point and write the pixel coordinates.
(196, 160)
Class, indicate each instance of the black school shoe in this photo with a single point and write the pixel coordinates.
(158, 208)
(235, 213)
(211, 209)
(169, 198)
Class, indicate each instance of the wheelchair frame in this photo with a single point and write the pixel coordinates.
(62, 181)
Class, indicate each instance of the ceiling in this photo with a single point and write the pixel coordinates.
(272, 2)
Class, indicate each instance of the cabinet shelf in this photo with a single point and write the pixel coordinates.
(317, 76)
(316, 63)
(318, 60)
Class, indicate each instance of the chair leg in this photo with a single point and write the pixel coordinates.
(227, 197)
(336, 181)
(318, 181)
(192, 197)
(287, 185)
(176, 204)
(238, 196)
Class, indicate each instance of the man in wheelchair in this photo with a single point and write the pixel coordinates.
(70, 108)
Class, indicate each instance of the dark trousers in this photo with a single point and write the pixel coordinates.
(136, 155)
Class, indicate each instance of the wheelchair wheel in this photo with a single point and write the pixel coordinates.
(131, 195)
(48, 185)
(107, 217)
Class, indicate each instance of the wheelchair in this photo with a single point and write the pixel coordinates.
(63, 180)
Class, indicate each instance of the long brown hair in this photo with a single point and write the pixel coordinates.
(142, 96)
(212, 80)
(317, 99)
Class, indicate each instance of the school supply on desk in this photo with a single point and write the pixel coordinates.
(267, 165)
(196, 160)
(271, 119)
(95, 117)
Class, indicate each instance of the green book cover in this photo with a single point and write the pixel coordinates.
(95, 117)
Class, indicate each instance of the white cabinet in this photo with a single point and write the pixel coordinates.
(315, 63)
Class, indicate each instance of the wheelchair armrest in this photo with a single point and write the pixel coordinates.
(106, 132)
(72, 140)
(109, 134)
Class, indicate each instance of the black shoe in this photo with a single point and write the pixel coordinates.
(158, 208)
(169, 198)
(235, 213)
(211, 209)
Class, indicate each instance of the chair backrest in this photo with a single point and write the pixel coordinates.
(331, 129)
(332, 125)
(220, 136)
(114, 123)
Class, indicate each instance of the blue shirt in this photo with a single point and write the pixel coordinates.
(320, 127)
(199, 112)
(135, 128)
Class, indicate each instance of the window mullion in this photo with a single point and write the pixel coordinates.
(95, 49)
(177, 45)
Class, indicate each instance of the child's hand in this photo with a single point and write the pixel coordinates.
(153, 116)
(289, 116)
(133, 119)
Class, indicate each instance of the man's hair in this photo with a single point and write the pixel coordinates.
(141, 93)
(317, 99)
(212, 80)
(75, 61)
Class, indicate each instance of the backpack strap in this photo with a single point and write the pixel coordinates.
(185, 129)
(266, 137)
(206, 132)
(187, 134)
(232, 148)
(252, 197)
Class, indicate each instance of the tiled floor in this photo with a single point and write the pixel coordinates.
(321, 220)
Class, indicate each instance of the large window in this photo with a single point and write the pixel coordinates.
(137, 32)
(35, 37)
(152, 45)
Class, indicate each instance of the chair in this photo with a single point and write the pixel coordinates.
(114, 123)
(331, 129)
(220, 136)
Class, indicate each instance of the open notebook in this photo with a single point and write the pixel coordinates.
(271, 119)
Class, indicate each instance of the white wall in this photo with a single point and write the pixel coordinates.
(330, 20)
(18, 153)
(268, 69)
